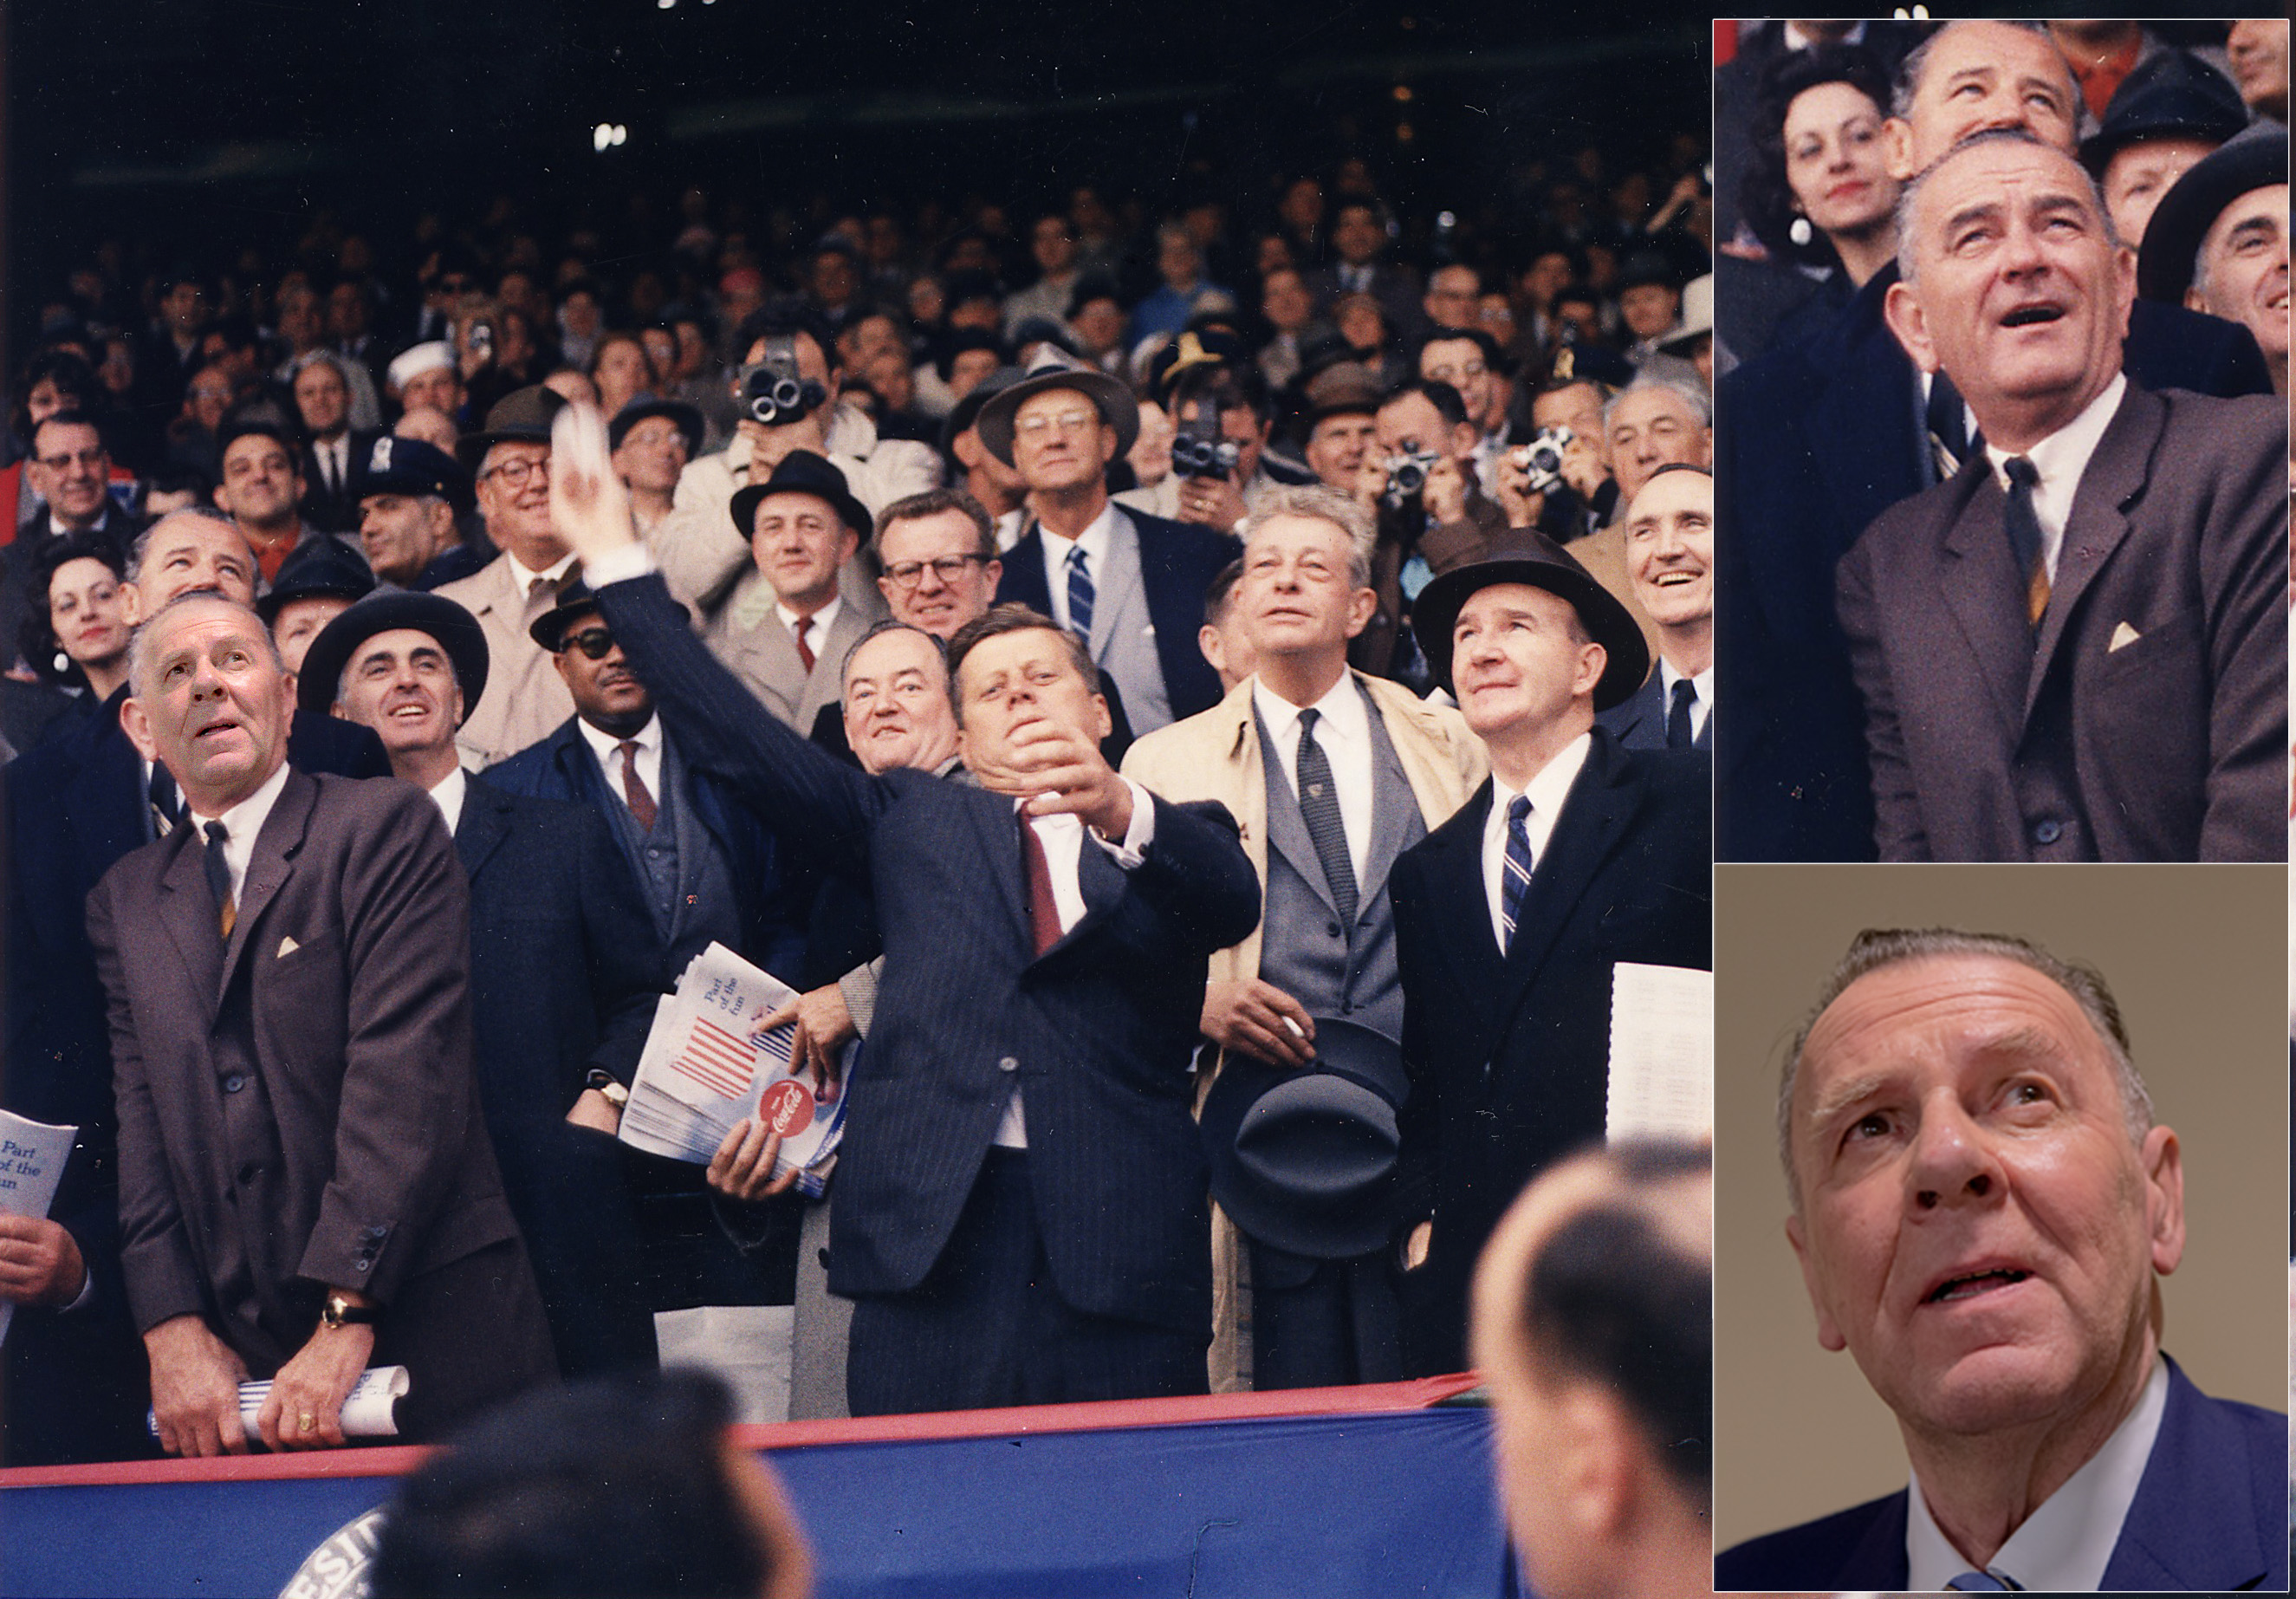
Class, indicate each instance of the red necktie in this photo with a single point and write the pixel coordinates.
(1044, 911)
(633, 788)
(804, 650)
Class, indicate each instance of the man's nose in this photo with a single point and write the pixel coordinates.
(928, 581)
(1953, 1160)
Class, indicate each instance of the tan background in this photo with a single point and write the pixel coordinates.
(2197, 956)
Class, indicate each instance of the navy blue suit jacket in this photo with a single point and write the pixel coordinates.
(1640, 722)
(1509, 1055)
(75, 805)
(1097, 1033)
(2210, 1515)
(1178, 561)
(1813, 441)
(773, 896)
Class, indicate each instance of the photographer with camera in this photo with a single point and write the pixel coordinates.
(1219, 456)
(1469, 360)
(1558, 481)
(1419, 479)
(782, 398)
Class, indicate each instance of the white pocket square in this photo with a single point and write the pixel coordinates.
(287, 946)
(2122, 635)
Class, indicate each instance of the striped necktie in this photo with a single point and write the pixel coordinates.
(1079, 594)
(1514, 876)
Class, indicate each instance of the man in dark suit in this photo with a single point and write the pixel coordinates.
(1818, 439)
(1992, 1261)
(1360, 240)
(565, 967)
(332, 449)
(1670, 549)
(304, 1188)
(1509, 918)
(2077, 649)
(1021, 1211)
(1132, 585)
(75, 1371)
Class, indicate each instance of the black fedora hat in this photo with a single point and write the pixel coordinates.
(522, 416)
(321, 568)
(575, 601)
(1529, 556)
(646, 406)
(1055, 368)
(2175, 95)
(802, 472)
(457, 631)
(1305, 1159)
(2173, 238)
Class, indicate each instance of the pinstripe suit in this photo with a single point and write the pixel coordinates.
(1097, 1033)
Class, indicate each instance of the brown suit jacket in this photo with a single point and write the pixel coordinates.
(525, 698)
(299, 1108)
(748, 636)
(2148, 720)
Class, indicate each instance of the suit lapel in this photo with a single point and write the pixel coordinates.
(1118, 579)
(188, 912)
(2112, 479)
(271, 865)
(1984, 593)
(1454, 871)
(999, 827)
(480, 829)
(1595, 812)
(1024, 574)
(1101, 881)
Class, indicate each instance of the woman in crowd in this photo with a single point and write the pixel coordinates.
(623, 371)
(76, 634)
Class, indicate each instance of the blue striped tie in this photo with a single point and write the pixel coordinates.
(1515, 876)
(1079, 594)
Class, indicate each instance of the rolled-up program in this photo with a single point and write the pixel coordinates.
(367, 1412)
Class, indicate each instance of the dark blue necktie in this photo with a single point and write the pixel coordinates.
(1079, 594)
(1319, 806)
(2024, 524)
(1985, 1582)
(1678, 713)
(218, 872)
(1514, 876)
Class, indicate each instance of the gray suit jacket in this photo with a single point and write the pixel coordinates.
(748, 636)
(2149, 719)
(525, 698)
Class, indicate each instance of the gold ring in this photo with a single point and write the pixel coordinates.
(306, 1422)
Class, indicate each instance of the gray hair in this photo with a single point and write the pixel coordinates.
(138, 551)
(1876, 948)
(1916, 63)
(322, 358)
(1644, 382)
(1319, 502)
(1909, 197)
(888, 624)
(139, 643)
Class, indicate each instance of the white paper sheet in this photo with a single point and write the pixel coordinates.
(1661, 1052)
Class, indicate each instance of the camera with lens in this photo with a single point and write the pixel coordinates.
(1541, 460)
(1200, 449)
(1407, 474)
(773, 393)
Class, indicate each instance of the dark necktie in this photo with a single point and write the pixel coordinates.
(633, 788)
(1079, 594)
(1678, 735)
(1319, 806)
(167, 804)
(1044, 910)
(219, 871)
(1948, 421)
(804, 649)
(1514, 876)
(2024, 528)
(1985, 1582)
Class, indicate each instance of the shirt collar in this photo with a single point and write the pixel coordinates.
(823, 620)
(1092, 540)
(2063, 1547)
(1549, 789)
(448, 792)
(1341, 712)
(1701, 682)
(604, 745)
(244, 820)
(2063, 455)
(523, 576)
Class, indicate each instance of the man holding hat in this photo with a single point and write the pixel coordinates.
(1510, 917)
(510, 458)
(545, 1012)
(1330, 774)
(1130, 585)
(653, 440)
(2219, 241)
(787, 640)
(408, 494)
(2166, 115)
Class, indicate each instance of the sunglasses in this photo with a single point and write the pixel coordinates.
(596, 643)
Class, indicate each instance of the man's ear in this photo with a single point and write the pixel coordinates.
(1593, 659)
(1898, 148)
(1829, 1336)
(1901, 308)
(138, 728)
(2164, 1193)
(131, 604)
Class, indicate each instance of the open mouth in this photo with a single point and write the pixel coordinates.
(1675, 580)
(1972, 1284)
(2031, 316)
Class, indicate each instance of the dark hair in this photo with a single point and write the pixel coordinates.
(1013, 617)
(619, 335)
(1442, 396)
(1222, 593)
(1494, 358)
(891, 625)
(69, 417)
(785, 318)
(963, 340)
(36, 636)
(261, 421)
(1765, 197)
(932, 502)
(65, 368)
(1612, 1299)
(612, 1487)
(1228, 388)
(1091, 286)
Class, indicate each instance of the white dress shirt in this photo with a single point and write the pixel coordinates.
(447, 792)
(1702, 694)
(814, 629)
(608, 748)
(1343, 729)
(1094, 542)
(1063, 836)
(333, 458)
(243, 824)
(2060, 459)
(2064, 1546)
(1547, 791)
(524, 576)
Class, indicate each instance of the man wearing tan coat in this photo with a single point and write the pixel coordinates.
(1330, 774)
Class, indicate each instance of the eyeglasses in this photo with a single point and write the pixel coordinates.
(908, 575)
(517, 474)
(596, 643)
(1067, 422)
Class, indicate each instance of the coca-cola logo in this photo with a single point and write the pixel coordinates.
(787, 1108)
